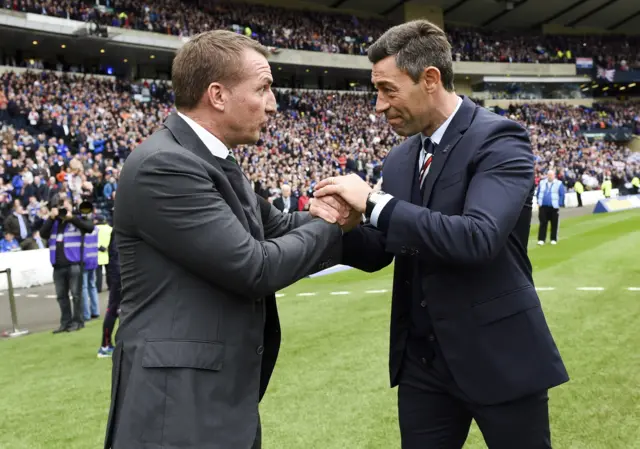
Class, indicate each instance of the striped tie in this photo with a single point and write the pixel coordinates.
(231, 158)
(427, 149)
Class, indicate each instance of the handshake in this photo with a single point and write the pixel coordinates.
(340, 199)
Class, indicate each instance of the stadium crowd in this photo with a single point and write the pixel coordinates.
(331, 32)
(67, 136)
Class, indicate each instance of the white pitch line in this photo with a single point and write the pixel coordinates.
(32, 296)
(51, 296)
(376, 291)
(17, 294)
(279, 295)
(340, 293)
(306, 294)
(545, 289)
(634, 289)
(590, 289)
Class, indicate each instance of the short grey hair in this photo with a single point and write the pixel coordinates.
(416, 45)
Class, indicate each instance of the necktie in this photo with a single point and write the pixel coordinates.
(428, 149)
(231, 158)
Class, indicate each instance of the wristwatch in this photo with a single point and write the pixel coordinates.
(374, 197)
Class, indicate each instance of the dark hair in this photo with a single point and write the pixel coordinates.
(416, 45)
(209, 57)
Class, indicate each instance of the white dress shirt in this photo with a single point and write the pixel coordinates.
(435, 138)
(215, 146)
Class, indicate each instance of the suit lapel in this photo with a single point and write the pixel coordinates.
(188, 139)
(407, 167)
(452, 135)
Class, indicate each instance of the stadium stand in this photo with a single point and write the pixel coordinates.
(68, 135)
(335, 33)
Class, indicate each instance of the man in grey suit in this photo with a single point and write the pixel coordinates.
(201, 258)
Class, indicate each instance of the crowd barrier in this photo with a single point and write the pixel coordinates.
(589, 198)
(32, 268)
(28, 268)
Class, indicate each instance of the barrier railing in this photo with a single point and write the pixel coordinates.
(17, 332)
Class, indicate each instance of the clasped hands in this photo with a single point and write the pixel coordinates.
(340, 199)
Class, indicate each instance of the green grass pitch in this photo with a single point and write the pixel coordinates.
(330, 389)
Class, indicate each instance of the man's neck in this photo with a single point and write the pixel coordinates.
(445, 105)
(208, 125)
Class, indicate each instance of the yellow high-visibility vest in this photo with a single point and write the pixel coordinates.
(104, 237)
(578, 187)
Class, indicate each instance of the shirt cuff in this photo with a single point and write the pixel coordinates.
(382, 210)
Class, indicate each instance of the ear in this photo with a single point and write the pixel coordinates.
(217, 96)
(431, 78)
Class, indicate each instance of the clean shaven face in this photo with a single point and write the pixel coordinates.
(405, 104)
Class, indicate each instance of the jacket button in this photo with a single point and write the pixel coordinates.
(432, 337)
(423, 303)
(407, 282)
(260, 350)
(403, 250)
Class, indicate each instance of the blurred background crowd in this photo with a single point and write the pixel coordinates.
(63, 136)
(335, 33)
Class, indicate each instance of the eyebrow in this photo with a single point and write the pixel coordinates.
(382, 83)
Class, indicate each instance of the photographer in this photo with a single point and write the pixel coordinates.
(66, 234)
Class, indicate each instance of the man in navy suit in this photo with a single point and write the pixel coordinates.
(469, 339)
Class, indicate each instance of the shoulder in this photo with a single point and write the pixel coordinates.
(158, 151)
(494, 125)
(401, 148)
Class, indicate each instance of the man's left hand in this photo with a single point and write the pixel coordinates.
(352, 188)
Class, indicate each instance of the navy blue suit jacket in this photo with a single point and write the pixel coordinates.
(470, 238)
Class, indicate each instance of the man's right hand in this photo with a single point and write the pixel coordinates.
(334, 209)
(54, 213)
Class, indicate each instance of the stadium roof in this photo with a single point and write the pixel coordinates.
(615, 15)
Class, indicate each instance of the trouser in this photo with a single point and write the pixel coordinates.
(579, 196)
(112, 312)
(435, 414)
(99, 273)
(90, 295)
(548, 214)
(69, 279)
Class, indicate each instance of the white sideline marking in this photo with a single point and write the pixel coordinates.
(32, 296)
(306, 294)
(17, 294)
(545, 289)
(51, 296)
(340, 293)
(279, 295)
(376, 291)
(634, 289)
(590, 289)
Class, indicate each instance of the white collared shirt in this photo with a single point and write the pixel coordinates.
(215, 146)
(436, 137)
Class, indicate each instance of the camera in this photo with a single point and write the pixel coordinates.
(84, 208)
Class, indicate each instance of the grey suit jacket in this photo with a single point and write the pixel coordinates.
(199, 332)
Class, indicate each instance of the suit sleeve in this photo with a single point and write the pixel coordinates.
(364, 248)
(277, 223)
(180, 213)
(495, 197)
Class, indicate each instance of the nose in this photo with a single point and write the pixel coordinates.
(271, 103)
(381, 104)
